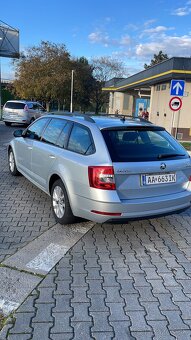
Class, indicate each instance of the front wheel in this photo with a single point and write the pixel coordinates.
(60, 204)
(12, 165)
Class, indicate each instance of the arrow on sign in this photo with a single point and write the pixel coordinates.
(177, 87)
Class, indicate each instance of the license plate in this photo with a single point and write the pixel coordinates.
(153, 179)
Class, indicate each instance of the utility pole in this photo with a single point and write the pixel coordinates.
(72, 86)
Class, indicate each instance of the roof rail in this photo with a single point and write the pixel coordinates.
(73, 114)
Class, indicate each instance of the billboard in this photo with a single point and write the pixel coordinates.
(9, 41)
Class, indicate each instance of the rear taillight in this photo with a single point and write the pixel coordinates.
(189, 178)
(101, 177)
(26, 108)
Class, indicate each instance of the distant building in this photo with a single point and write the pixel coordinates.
(150, 89)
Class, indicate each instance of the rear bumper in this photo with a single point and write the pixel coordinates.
(132, 209)
(21, 120)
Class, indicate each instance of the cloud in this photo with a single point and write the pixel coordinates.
(104, 39)
(99, 37)
(157, 29)
(149, 22)
(172, 45)
(140, 45)
(125, 40)
(131, 27)
(182, 11)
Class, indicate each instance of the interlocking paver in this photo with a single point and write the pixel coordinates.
(41, 330)
(79, 294)
(43, 313)
(122, 330)
(113, 295)
(62, 303)
(132, 302)
(138, 321)
(175, 321)
(160, 330)
(62, 323)
(117, 312)
(101, 322)
(165, 302)
(177, 294)
(152, 310)
(82, 330)
(182, 335)
(81, 312)
(97, 303)
(22, 323)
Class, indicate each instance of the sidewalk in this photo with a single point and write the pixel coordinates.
(118, 282)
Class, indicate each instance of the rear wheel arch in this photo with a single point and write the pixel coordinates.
(53, 179)
(60, 201)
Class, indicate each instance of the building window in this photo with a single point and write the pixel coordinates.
(112, 99)
(126, 102)
(158, 88)
(163, 87)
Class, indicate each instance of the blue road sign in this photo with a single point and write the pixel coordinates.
(177, 87)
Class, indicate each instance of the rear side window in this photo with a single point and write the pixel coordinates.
(12, 105)
(80, 140)
(141, 145)
(53, 131)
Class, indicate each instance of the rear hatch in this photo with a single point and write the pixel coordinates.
(12, 110)
(147, 162)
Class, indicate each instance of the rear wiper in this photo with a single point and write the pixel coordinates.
(166, 155)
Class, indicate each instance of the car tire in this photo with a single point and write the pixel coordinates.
(12, 164)
(7, 123)
(60, 204)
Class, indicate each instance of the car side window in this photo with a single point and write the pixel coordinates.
(41, 108)
(63, 138)
(80, 140)
(34, 131)
(35, 106)
(53, 130)
(30, 105)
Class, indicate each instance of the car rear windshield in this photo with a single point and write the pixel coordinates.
(16, 106)
(142, 144)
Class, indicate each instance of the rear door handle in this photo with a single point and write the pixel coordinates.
(52, 156)
(30, 147)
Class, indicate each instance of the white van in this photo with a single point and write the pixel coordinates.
(22, 111)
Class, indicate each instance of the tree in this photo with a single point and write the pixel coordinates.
(104, 68)
(43, 73)
(158, 58)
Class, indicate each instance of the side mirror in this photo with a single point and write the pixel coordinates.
(18, 133)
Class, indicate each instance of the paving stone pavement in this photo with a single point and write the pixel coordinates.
(129, 281)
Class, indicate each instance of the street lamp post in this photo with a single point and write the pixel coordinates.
(72, 86)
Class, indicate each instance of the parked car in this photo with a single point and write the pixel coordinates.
(103, 168)
(21, 111)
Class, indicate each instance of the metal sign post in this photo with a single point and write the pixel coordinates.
(175, 104)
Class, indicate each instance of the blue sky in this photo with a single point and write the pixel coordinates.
(131, 31)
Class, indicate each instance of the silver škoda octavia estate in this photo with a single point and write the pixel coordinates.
(103, 168)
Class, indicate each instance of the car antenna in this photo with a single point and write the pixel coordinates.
(122, 119)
